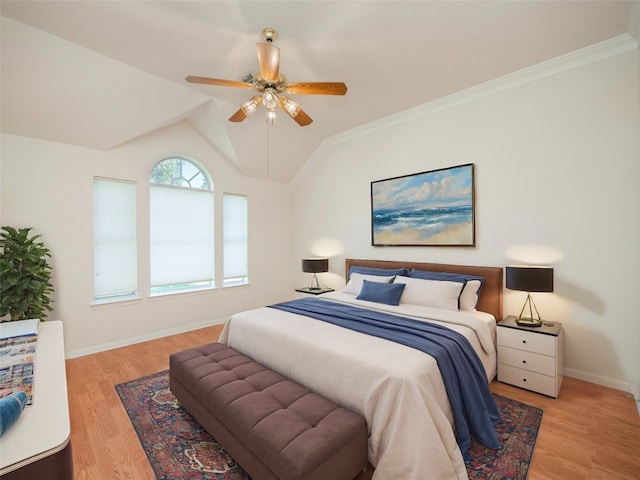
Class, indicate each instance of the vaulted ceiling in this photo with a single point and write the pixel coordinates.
(101, 73)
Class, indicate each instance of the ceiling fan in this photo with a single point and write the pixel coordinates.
(272, 86)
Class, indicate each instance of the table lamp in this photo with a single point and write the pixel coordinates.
(315, 266)
(528, 278)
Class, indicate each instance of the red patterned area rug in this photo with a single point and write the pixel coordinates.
(178, 448)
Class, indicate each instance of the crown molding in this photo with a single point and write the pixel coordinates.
(599, 51)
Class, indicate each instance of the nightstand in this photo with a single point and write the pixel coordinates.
(314, 291)
(530, 357)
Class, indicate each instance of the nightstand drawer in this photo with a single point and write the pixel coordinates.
(533, 362)
(530, 341)
(529, 380)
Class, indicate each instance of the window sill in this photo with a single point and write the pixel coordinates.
(116, 302)
(237, 285)
(181, 293)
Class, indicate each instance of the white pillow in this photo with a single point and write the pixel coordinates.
(430, 293)
(355, 282)
(469, 297)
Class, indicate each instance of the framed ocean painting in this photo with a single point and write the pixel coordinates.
(434, 208)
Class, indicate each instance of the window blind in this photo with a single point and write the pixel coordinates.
(114, 238)
(181, 231)
(235, 237)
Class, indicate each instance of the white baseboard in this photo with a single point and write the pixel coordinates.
(604, 381)
(142, 338)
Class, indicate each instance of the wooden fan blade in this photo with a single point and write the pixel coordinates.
(269, 61)
(219, 82)
(300, 116)
(246, 109)
(238, 116)
(317, 88)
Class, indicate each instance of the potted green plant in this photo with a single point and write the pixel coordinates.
(25, 275)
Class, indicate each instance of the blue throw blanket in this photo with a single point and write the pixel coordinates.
(474, 409)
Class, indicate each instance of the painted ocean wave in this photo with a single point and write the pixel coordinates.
(426, 220)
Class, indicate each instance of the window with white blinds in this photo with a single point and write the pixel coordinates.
(181, 227)
(181, 232)
(234, 239)
(114, 239)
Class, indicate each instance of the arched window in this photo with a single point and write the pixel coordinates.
(180, 172)
(181, 227)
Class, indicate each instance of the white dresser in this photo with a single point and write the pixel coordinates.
(38, 445)
(530, 357)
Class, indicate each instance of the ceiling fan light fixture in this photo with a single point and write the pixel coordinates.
(250, 106)
(270, 98)
(271, 86)
(292, 107)
(271, 116)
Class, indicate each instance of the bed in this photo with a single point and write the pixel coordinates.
(399, 390)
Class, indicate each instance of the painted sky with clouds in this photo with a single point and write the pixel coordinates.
(450, 187)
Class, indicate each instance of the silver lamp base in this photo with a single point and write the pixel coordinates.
(314, 280)
(530, 321)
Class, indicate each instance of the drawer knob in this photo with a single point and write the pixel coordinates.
(524, 341)
(524, 361)
(524, 379)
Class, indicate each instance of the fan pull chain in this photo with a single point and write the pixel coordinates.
(267, 149)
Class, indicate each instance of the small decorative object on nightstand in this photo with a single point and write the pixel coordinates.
(530, 357)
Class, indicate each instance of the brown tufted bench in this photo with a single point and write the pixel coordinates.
(273, 427)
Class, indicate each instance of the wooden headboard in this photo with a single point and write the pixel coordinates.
(490, 300)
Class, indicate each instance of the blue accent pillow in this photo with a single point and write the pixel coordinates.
(385, 272)
(387, 293)
(11, 407)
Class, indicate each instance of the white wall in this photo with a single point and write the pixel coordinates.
(557, 164)
(48, 186)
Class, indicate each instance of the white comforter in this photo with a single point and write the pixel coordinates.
(399, 390)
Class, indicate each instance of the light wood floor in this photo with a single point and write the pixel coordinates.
(589, 432)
